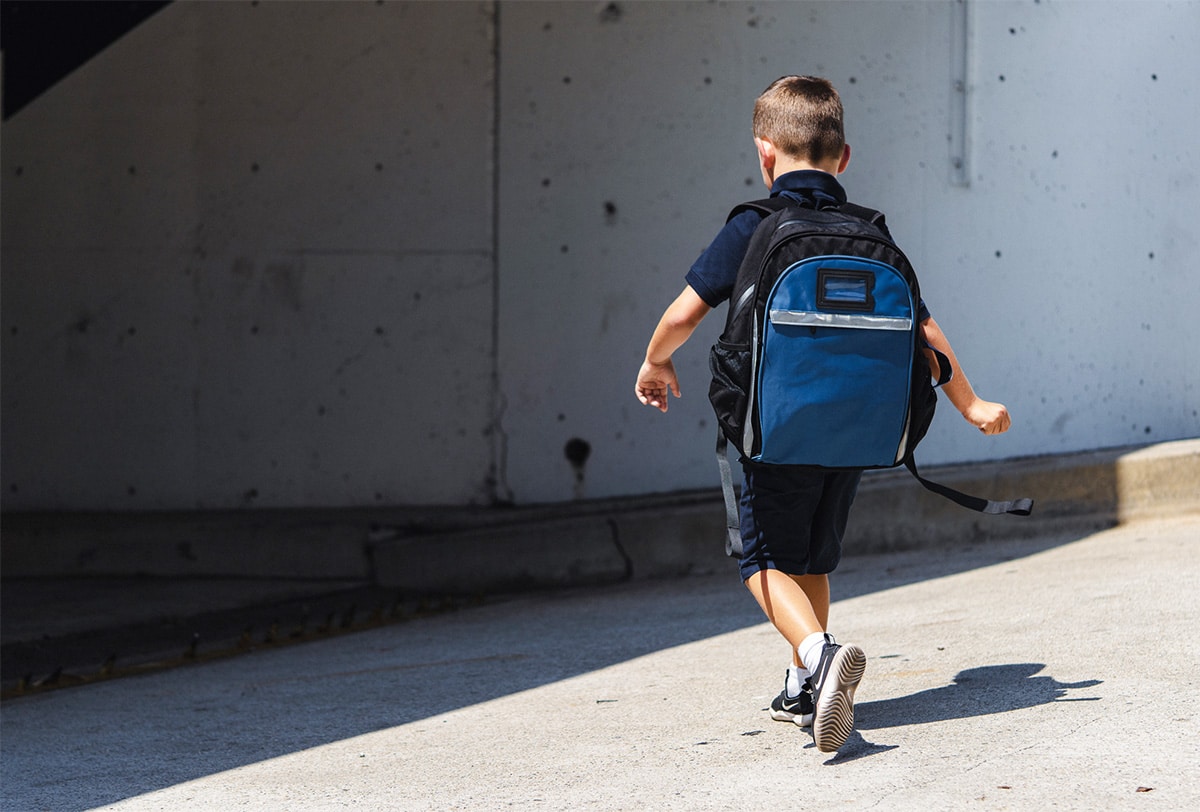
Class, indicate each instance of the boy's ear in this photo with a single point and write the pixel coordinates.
(845, 159)
(766, 160)
(766, 153)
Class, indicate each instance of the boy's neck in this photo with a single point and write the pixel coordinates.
(782, 167)
(775, 163)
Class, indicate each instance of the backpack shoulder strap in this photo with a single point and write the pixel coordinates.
(770, 205)
(766, 207)
(872, 216)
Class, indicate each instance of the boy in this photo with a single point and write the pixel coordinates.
(793, 517)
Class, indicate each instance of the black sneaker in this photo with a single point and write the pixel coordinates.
(795, 709)
(835, 679)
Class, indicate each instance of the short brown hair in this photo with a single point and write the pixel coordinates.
(802, 117)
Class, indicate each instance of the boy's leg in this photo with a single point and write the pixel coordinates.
(793, 521)
(838, 669)
(816, 587)
(796, 605)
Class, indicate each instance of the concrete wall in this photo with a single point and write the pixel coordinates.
(314, 254)
(248, 260)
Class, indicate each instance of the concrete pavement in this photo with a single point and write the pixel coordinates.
(1050, 672)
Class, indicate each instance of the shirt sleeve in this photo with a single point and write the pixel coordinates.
(714, 272)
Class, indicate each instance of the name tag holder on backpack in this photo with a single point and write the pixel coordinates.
(842, 289)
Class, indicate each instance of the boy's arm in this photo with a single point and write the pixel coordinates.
(988, 417)
(657, 374)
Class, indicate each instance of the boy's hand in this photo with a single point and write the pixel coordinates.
(988, 417)
(653, 381)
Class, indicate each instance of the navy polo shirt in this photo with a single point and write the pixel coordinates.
(713, 274)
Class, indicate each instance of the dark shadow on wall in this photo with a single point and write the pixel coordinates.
(43, 42)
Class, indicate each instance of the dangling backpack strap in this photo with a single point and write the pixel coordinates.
(1017, 507)
(733, 524)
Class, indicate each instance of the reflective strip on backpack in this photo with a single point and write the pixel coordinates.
(748, 437)
(802, 318)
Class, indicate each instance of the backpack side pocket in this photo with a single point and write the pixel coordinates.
(729, 390)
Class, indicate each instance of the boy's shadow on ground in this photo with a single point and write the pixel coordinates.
(974, 692)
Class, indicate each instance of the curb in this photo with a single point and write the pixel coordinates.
(1076, 493)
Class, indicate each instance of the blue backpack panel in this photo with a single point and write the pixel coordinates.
(834, 375)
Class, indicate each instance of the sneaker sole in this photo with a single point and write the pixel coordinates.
(834, 718)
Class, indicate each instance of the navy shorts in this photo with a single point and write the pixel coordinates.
(793, 518)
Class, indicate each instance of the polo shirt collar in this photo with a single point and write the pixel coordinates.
(810, 183)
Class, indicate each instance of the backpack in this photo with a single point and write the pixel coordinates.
(821, 363)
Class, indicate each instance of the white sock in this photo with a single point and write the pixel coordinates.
(810, 649)
(796, 675)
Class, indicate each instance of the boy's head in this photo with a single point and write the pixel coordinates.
(802, 117)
